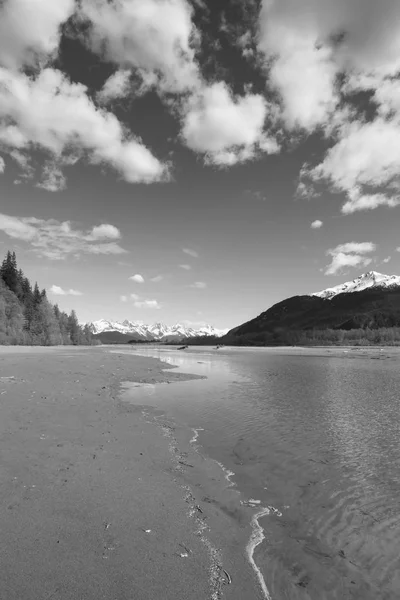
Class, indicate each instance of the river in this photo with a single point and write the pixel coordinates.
(313, 437)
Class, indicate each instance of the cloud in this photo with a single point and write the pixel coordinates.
(53, 179)
(105, 231)
(147, 304)
(351, 254)
(157, 278)
(59, 291)
(199, 285)
(137, 278)
(59, 240)
(225, 128)
(185, 267)
(387, 259)
(190, 252)
(139, 302)
(116, 86)
(366, 156)
(153, 38)
(50, 112)
(317, 224)
(303, 72)
(321, 54)
(2, 165)
(30, 30)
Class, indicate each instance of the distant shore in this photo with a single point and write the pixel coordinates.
(102, 499)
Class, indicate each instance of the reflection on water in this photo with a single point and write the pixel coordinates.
(318, 437)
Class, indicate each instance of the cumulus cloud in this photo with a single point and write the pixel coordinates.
(147, 304)
(116, 86)
(153, 38)
(185, 267)
(351, 254)
(320, 53)
(57, 115)
(199, 285)
(59, 291)
(302, 71)
(317, 224)
(139, 302)
(59, 240)
(225, 128)
(30, 30)
(190, 252)
(53, 179)
(387, 259)
(137, 278)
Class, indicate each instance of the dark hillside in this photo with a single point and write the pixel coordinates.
(369, 309)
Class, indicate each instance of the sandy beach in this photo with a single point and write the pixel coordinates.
(102, 499)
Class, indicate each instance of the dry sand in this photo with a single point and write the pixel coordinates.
(100, 499)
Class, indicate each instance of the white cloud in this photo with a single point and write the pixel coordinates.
(139, 302)
(147, 304)
(59, 291)
(311, 48)
(59, 240)
(309, 43)
(157, 278)
(105, 231)
(2, 165)
(225, 128)
(317, 224)
(51, 112)
(53, 179)
(387, 259)
(366, 156)
(190, 252)
(137, 278)
(358, 201)
(116, 86)
(351, 254)
(185, 267)
(303, 72)
(30, 30)
(199, 285)
(154, 38)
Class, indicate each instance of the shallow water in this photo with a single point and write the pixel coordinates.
(315, 439)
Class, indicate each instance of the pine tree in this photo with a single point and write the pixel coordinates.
(9, 272)
(73, 328)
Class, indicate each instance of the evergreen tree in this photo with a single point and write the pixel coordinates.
(73, 328)
(9, 271)
(26, 315)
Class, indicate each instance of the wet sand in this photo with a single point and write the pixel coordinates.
(102, 499)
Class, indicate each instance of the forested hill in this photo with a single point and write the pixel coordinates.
(28, 318)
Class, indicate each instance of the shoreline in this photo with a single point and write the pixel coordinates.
(81, 503)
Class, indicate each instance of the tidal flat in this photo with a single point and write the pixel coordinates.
(101, 499)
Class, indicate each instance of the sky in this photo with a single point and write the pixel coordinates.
(197, 161)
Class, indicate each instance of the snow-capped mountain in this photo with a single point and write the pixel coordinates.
(155, 332)
(372, 279)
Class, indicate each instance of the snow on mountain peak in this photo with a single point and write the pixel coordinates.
(156, 331)
(372, 279)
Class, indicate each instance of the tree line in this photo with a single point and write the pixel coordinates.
(28, 318)
(381, 336)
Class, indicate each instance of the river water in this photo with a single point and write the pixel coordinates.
(313, 437)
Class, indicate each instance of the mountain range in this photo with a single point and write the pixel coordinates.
(369, 302)
(125, 331)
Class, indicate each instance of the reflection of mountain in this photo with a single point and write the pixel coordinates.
(116, 332)
(369, 302)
